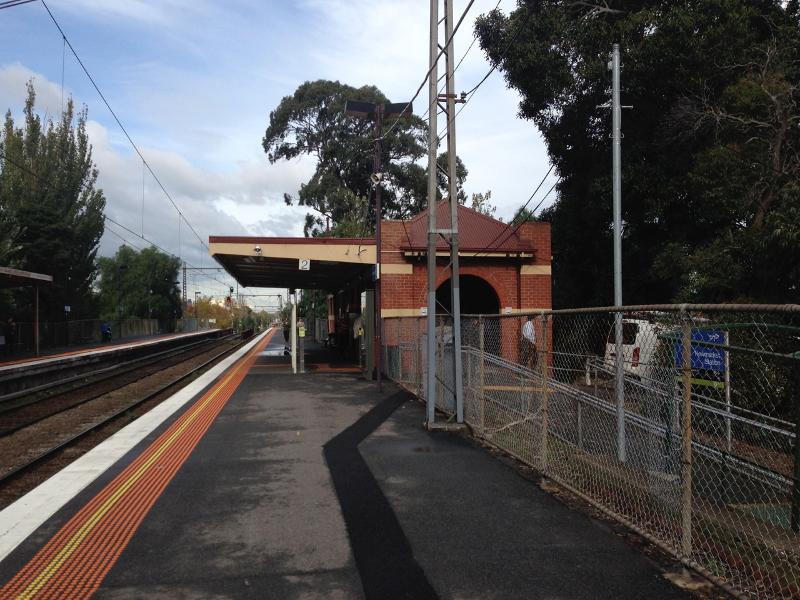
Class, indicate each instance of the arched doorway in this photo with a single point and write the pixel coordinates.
(478, 297)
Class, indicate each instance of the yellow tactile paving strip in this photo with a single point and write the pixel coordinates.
(75, 561)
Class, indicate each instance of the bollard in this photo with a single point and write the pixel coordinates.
(686, 440)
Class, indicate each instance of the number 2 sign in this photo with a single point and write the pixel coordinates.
(305, 264)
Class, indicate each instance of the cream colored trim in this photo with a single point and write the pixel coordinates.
(394, 269)
(401, 312)
(355, 253)
(473, 254)
(514, 311)
(535, 270)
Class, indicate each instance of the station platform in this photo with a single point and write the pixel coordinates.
(256, 483)
(96, 350)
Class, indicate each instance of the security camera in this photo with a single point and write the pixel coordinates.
(376, 178)
(257, 249)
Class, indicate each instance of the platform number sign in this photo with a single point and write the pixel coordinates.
(305, 264)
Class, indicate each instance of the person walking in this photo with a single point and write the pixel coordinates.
(529, 356)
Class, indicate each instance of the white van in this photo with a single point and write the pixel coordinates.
(640, 342)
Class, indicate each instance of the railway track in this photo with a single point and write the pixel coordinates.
(24, 408)
(34, 446)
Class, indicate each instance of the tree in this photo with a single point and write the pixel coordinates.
(480, 203)
(51, 211)
(139, 284)
(710, 148)
(340, 192)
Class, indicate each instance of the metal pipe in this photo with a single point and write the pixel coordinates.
(36, 326)
(619, 378)
(293, 333)
(796, 491)
(686, 440)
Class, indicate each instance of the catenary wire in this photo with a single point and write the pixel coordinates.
(84, 186)
(119, 122)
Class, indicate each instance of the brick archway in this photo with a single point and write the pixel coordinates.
(478, 296)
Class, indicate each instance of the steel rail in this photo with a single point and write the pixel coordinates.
(106, 373)
(175, 352)
(17, 471)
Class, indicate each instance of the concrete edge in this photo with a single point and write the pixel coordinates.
(98, 351)
(24, 516)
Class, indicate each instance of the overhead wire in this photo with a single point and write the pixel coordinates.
(84, 186)
(121, 125)
(430, 70)
(491, 245)
(471, 92)
(12, 3)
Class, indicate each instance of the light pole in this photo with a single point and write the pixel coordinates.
(369, 110)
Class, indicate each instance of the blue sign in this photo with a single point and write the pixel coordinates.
(704, 355)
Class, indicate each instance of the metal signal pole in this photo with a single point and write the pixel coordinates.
(452, 192)
(433, 143)
(619, 376)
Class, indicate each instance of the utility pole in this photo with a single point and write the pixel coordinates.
(619, 374)
(376, 169)
(377, 112)
(183, 306)
(452, 193)
(433, 143)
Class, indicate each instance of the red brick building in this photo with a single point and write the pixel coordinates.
(504, 269)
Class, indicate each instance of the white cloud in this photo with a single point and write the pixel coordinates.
(194, 81)
(13, 91)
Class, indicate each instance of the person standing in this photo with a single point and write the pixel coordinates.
(11, 336)
(529, 356)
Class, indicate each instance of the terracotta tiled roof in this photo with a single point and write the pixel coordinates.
(476, 232)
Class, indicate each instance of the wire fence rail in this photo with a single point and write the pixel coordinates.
(702, 457)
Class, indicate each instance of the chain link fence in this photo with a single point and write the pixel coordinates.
(64, 334)
(685, 430)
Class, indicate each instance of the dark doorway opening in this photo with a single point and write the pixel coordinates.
(477, 298)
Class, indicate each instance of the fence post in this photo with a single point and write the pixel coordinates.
(399, 356)
(545, 393)
(686, 438)
(796, 491)
(481, 370)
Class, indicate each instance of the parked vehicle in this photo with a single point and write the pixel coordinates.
(640, 345)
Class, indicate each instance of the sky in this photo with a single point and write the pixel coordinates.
(194, 81)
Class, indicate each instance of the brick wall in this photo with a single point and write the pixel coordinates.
(514, 289)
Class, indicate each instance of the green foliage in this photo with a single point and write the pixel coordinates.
(711, 153)
(312, 122)
(51, 215)
(480, 202)
(522, 215)
(312, 305)
(139, 284)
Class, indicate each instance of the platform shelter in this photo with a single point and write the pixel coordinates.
(505, 268)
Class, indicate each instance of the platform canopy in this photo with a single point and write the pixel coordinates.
(10, 278)
(301, 263)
